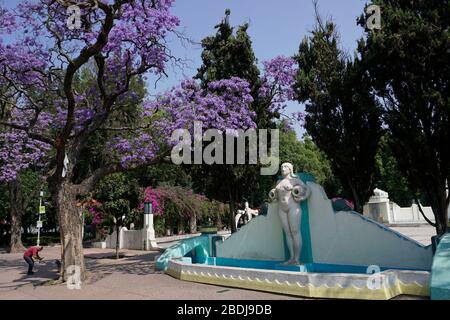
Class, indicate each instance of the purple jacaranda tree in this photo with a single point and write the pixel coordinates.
(39, 68)
(18, 152)
(278, 82)
(223, 105)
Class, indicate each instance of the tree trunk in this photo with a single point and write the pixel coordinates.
(16, 212)
(180, 226)
(70, 225)
(440, 210)
(356, 198)
(232, 209)
(219, 221)
(193, 224)
(117, 241)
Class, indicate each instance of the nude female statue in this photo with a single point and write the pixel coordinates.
(289, 192)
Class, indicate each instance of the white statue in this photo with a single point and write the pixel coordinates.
(248, 212)
(289, 192)
(239, 214)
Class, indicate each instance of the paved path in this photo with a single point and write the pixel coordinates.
(132, 277)
(422, 233)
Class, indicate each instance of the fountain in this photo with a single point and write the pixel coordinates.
(303, 247)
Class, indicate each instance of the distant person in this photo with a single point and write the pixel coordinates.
(30, 253)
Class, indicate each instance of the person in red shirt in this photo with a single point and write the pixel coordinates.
(30, 253)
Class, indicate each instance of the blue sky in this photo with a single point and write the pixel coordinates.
(276, 28)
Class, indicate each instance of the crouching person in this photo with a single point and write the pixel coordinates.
(30, 253)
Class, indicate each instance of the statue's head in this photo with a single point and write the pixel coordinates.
(287, 170)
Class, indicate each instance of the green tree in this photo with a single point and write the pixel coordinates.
(3, 201)
(408, 60)
(120, 198)
(306, 157)
(164, 173)
(23, 195)
(390, 178)
(4, 226)
(342, 114)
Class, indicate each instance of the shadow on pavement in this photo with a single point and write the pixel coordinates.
(142, 264)
(97, 266)
(44, 272)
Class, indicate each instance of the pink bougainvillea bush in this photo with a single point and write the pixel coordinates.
(174, 203)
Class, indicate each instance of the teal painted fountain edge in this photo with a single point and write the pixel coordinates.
(277, 265)
(440, 270)
(306, 250)
(201, 245)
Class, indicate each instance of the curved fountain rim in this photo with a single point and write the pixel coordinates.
(307, 284)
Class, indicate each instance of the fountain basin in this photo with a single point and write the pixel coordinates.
(313, 280)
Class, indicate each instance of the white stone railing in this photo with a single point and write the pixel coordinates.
(381, 209)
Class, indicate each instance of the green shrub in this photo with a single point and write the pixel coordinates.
(159, 224)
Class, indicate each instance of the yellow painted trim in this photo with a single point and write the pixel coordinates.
(308, 291)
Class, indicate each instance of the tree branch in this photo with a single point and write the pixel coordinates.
(32, 135)
(89, 183)
(73, 67)
(423, 214)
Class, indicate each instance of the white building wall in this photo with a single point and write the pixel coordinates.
(128, 239)
(381, 209)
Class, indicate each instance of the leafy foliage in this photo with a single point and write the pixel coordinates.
(174, 204)
(306, 157)
(120, 197)
(342, 113)
(408, 62)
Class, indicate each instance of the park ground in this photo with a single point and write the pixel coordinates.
(131, 278)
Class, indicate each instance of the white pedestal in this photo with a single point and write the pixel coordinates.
(100, 244)
(148, 233)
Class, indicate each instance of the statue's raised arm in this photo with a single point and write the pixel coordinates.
(301, 191)
(273, 194)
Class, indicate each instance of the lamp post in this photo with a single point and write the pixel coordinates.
(447, 189)
(148, 208)
(148, 230)
(39, 222)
